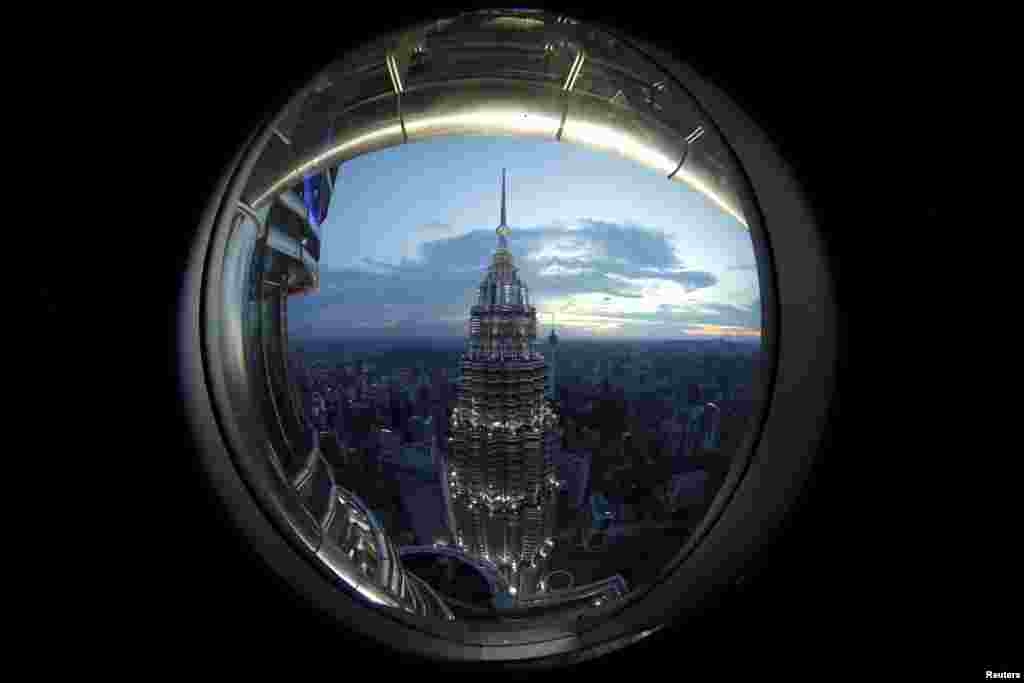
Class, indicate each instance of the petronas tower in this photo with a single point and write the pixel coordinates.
(501, 483)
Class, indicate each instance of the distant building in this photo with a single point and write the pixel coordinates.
(601, 512)
(711, 426)
(694, 430)
(389, 444)
(378, 397)
(551, 390)
(703, 429)
(420, 428)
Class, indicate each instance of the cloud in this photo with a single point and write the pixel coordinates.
(694, 280)
(373, 263)
(711, 330)
(629, 244)
(592, 257)
(435, 230)
(427, 232)
(603, 257)
(729, 315)
(558, 270)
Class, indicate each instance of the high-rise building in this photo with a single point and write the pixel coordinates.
(503, 490)
(703, 429)
(380, 395)
(389, 445)
(552, 387)
(712, 426)
(420, 428)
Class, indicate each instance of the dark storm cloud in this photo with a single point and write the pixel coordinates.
(603, 247)
(402, 285)
(473, 249)
(629, 244)
(627, 251)
(560, 261)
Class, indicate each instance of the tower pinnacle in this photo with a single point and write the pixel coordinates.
(503, 229)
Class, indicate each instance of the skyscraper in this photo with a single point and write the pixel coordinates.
(389, 445)
(552, 387)
(501, 469)
(711, 426)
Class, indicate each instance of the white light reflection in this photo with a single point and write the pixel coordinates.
(373, 596)
(488, 120)
(610, 139)
(511, 122)
(693, 181)
(312, 165)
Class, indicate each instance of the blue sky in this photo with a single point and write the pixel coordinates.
(612, 249)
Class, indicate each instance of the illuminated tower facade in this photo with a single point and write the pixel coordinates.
(502, 490)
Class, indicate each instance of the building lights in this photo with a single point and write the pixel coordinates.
(496, 321)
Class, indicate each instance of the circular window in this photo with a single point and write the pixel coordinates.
(500, 512)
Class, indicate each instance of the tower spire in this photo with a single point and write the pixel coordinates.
(503, 217)
(503, 229)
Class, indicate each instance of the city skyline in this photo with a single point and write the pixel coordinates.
(644, 439)
(489, 481)
(611, 251)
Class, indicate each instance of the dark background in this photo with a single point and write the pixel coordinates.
(831, 594)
